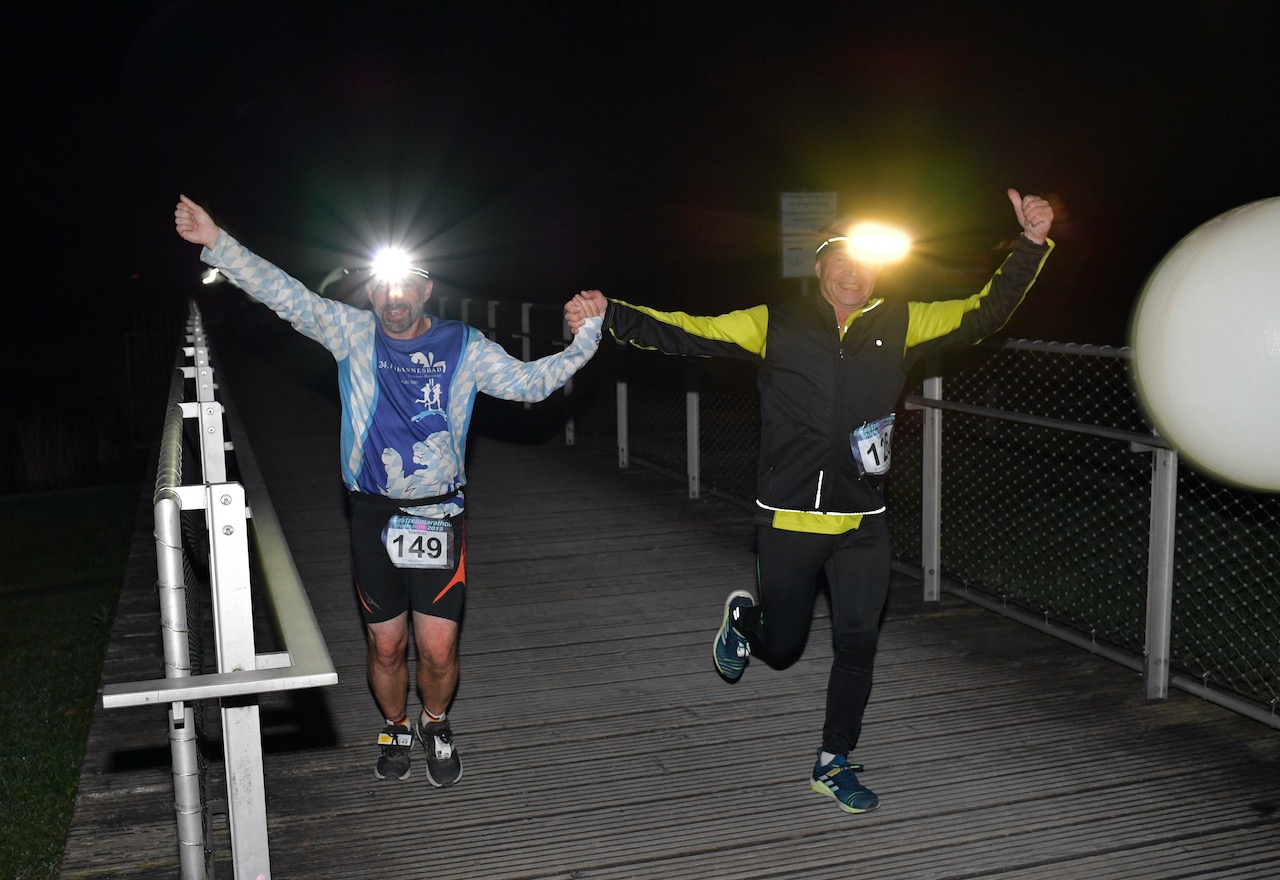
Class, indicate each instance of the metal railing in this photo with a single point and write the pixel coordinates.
(209, 521)
(1121, 547)
(1048, 498)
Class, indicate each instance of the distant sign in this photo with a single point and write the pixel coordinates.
(804, 217)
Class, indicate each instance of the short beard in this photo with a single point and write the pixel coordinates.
(411, 318)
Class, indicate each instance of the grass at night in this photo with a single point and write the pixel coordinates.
(65, 555)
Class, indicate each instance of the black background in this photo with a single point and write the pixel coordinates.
(530, 150)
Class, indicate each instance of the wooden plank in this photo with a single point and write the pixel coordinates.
(599, 743)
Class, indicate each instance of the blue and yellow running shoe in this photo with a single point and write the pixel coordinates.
(732, 648)
(839, 780)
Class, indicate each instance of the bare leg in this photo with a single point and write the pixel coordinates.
(437, 674)
(389, 667)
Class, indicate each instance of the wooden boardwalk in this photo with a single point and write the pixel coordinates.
(599, 743)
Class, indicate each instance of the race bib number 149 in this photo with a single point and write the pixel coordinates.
(418, 542)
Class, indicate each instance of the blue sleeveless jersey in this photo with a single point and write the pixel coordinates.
(406, 403)
(407, 450)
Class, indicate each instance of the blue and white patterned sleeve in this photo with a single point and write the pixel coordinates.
(501, 375)
(327, 321)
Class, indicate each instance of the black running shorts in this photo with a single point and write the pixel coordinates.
(386, 591)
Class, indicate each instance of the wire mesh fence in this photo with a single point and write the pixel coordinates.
(1077, 508)
(1227, 620)
(1074, 505)
(1046, 495)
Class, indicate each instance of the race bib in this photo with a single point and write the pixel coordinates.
(418, 542)
(870, 445)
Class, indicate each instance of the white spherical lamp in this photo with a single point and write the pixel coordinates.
(1206, 347)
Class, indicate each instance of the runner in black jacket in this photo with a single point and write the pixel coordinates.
(831, 370)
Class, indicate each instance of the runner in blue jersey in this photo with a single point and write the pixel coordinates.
(407, 382)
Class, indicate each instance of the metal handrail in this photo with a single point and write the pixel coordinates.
(305, 661)
(232, 510)
(1134, 438)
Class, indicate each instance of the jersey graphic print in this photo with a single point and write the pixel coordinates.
(432, 390)
(410, 432)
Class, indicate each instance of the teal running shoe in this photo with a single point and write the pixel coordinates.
(732, 648)
(839, 780)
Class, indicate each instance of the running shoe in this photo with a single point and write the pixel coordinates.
(732, 648)
(839, 780)
(396, 742)
(444, 766)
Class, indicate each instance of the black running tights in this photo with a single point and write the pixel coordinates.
(790, 568)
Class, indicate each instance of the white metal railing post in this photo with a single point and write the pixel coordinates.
(205, 409)
(198, 351)
(931, 494)
(226, 512)
(1164, 500)
(213, 444)
(623, 456)
(203, 374)
(693, 442)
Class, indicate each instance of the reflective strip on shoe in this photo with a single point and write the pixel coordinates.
(731, 648)
(444, 765)
(838, 780)
(441, 747)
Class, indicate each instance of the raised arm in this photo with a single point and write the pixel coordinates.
(194, 223)
(329, 322)
(946, 323)
(1035, 215)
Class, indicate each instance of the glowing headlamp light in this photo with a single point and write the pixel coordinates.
(393, 265)
(870, 243)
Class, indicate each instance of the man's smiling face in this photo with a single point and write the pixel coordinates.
(399, 306)
(845, 283)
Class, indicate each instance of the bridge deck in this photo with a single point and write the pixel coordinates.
(599, 743)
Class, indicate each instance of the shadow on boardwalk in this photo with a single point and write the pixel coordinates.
(599, 743)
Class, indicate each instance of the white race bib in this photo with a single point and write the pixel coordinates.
(418, 542)
(871, 448)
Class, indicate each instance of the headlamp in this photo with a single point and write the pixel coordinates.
(870, 243)
(392, 265)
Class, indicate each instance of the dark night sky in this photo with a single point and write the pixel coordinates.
(535, 149)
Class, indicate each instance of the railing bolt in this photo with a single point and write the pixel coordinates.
(227, 530)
